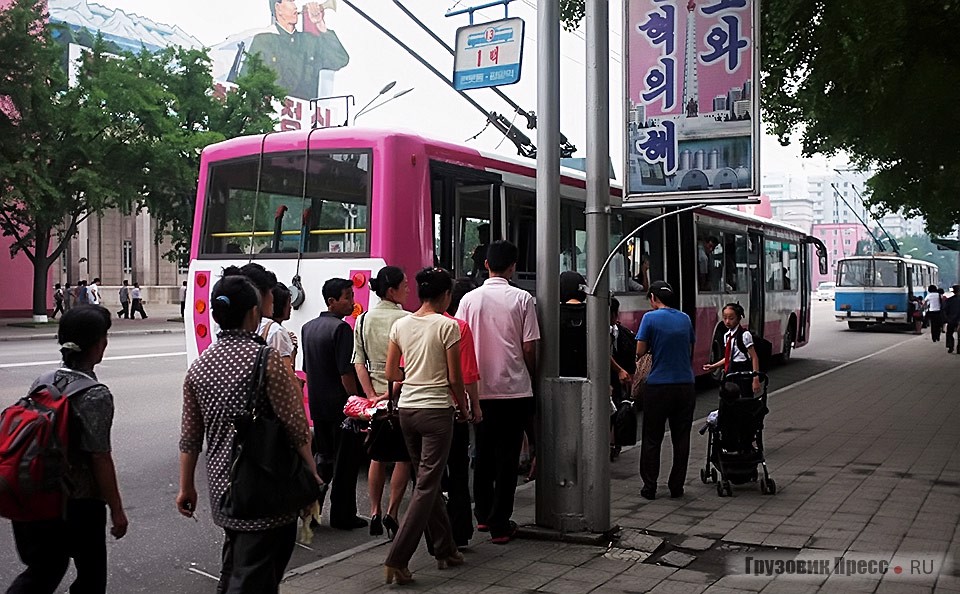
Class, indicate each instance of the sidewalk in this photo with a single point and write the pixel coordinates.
(158, 321)
(866, 462)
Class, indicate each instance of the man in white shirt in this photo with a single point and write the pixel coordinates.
(503, 320)
(94, 291)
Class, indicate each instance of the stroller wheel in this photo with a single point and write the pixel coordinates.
(771, 487)
(721, 492)
(763, 486)
(713, 474)
(704, 477)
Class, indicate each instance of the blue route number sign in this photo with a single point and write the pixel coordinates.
(488, 54)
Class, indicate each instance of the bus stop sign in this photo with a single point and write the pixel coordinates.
(488, 54)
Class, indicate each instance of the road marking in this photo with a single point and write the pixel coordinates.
(118, 358)
(203, 573)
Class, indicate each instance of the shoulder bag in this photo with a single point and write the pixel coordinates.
(268, 477)
(644, 364)
(384, 441)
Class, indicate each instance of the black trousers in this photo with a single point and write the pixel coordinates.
(46, 548)
(673, 404)
(124, 310)
(58, 309)
(951, 330)
(137, 306)
(456, 483)
(338, 462)
(254, 562)
(183, 307)
(499, 440)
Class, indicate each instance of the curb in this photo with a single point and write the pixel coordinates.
(117, 333)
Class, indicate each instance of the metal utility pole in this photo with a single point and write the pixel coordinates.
(557, 484)
(596, 409)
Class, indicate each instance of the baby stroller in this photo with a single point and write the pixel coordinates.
(735, 443)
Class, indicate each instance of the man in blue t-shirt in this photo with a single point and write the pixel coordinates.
(669, 396)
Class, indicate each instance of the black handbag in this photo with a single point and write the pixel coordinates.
(384, 441)
(625, 424)
(268, 477)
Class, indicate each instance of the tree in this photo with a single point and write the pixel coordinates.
(126, 134)
(64, 150)
(201, 114)
(877, 81)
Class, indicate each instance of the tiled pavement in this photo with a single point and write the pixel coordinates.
(866, 461)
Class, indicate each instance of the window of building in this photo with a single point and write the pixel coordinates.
(126, 257)
(183, 262)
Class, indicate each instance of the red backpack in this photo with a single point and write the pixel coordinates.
(33, 450)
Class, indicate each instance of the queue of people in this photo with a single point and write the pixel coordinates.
(466, 358)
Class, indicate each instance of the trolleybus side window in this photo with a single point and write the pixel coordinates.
(521, 221)
(887, 273)
(791, 266)
(773, 258)
(710, 256)
(239, 219)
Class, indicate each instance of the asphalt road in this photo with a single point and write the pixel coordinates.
(164, 552)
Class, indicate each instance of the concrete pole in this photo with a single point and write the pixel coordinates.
(549, 508)
(596, 411)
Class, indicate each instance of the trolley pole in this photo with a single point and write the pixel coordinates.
(556, 496)
(596, 409)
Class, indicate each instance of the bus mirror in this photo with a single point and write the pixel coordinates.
(297, 296)
(821, 252)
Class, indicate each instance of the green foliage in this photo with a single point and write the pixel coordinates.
(918, 246)
(127, 133)
(878, 83)
(197, 116)
(876, 80)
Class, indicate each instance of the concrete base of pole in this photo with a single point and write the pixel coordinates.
(600, 539)
(559, 496)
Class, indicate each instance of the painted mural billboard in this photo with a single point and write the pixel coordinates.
(297, 41)
(691, 112)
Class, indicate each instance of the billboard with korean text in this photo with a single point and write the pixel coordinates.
(691, 112)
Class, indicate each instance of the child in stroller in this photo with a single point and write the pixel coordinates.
(735, 443)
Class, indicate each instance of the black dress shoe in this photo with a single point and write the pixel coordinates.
(350, 524)
(676, 494)
(650, 494)
(376, 525)
(391, 525)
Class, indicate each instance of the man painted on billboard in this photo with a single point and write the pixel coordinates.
(298, 56)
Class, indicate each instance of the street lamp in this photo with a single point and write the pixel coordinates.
(382, 103)
(386, 88)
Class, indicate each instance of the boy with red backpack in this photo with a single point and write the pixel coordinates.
(59, 505)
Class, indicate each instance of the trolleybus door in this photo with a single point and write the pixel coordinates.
(757, 277)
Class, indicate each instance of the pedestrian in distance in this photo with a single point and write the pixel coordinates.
(136, 301)
(69, 296)
(83, 293)
(331, 380)
(94, 291)
(183, 299)
(669, 395)
(47, 546)
(429, 344)
(124, 312)
(503, 320)
(370, 340)
(933, 303)
(57, 300)
(951, 315)
(255, 550)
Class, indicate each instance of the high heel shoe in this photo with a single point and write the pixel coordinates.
(376, 525)
(402, 575)
(391, 525)
(454, 560)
